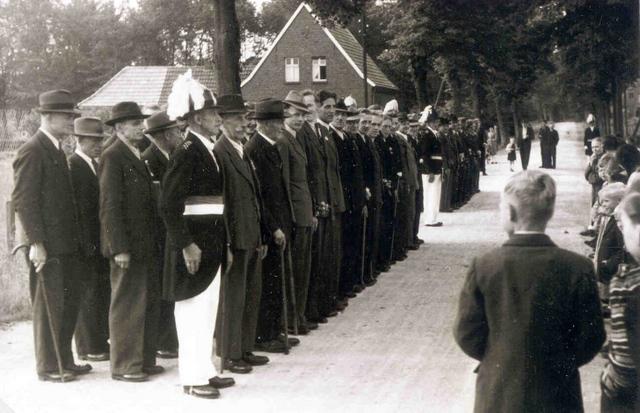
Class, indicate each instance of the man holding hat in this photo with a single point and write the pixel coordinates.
(192, 209)
(92, 328)
(243, 282)
(44, 203)
(128, 212)
(165, 137)
(431, 162)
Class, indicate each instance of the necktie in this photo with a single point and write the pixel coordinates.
(95, 166)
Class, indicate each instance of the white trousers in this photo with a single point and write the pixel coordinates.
(195, 324)
(432, 192)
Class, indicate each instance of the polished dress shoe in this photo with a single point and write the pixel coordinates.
(205, 392)
(414, 247)
(319, 320)
(78, 369)
(273, 346)
(591, 243)
(153, 370)
(370, 282)
(255, 360)
(588, 233)
(292, 341)
(221, 382)
(311, 325)
(385, 268)
(358, 288)
(95, 357)
(420, 241)
(131, 377)
(332, 313)
(437, 224)
(55, 377)
(303, 330)
(167, 354)
(237, 366)
(350, 294)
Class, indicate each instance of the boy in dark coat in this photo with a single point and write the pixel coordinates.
(529, 310)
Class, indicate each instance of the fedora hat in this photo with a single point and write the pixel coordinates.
(88, 127)
(294, 98)
(159, 121)
(125, 111)
(341, 107)
(231, 104)
(57, 101)
(269, 109)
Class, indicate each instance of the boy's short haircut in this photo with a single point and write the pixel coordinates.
(630, 206)
(324, 95)
(310, 92)
(614, 192)
(533, 194)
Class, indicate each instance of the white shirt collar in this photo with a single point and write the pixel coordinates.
(86, 158)
(322, 123)
(163, 152)
(435, 132)
(527, 232)
(271, 141)
(290, 130)
(53, 140)
(402, 135)
(237, 146)
(132, 148)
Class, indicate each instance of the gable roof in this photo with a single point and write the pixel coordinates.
(146, 85)
(345, 42)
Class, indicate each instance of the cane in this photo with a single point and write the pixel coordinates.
(285, 320)
(393, 222)
(223, 313)
(364, 241)
(292, 285)
(42, 284)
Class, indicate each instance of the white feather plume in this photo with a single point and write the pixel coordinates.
(391, 107)
(186, 91)
(425, 114)
(591, 118)
(349, 101)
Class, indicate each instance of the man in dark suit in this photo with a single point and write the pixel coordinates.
(44, 203)
(267, 156)
(354, 194)
(192, 209)
(590, 133)
(525, 145)
(165, 137)
(129, 239)
(296, 179)
(243, 282)
(554, 139)
(414, 139)
(410, 179)
(92, 328)
(545, 143)
(531, 329)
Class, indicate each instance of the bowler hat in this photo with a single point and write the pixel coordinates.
(125, 111)
(294, 98)
(57, 101)
(341, 107)
(269, 109)
(159, 121)
(230, 104)
(402, 117)
(88, 127)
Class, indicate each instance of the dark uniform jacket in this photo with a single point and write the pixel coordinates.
(315, 150)
(127, 204)
(432, 149)
(336, 196)
(410, 167)
(241, 194)
(389, 152)
(192, 172)
(529, 312)
(87, 193)
(43, 196)
(351, 171)
(371, 167)
(156, 162)
(295, 167)
(277, 208)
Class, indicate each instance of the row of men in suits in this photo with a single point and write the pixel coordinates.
(549, 140)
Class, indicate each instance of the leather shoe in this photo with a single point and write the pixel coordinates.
(292, 341)
(255, 360)
(303, 330)
(358, 288)
(588, 233)
(420, 241)
(273, 346)
(311, 325)
(221, 382)
(385, 268)
(131, 377)
(95, 357)
(237, 366)
(591, 243)
(370, 282)
(413, 247)
(153, 370)
(332, 313)
(78, 369)
(167, 354)
(205, 392)
(350, 294)
(55, 377)
(319, 320)
(437, 224)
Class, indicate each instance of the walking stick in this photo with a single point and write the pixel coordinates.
(364, 241)
(285, 320)
(393, 222)
(292, 286)
(43, 288)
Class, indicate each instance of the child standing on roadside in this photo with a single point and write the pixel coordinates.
(511, 152)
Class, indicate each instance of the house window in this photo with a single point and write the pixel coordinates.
(319, 67)
(292, 70)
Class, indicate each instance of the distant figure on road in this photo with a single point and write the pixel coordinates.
(554, 138)
(590, 133)
(529, 311)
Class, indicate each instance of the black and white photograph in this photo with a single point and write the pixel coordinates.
(287, 206)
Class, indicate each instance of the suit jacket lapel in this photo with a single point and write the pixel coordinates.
(137, 163)
(204, 152)
(236, 160)
(296, 145)
(52, 152)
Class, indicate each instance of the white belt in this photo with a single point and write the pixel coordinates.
(203, 205)
(437, 157)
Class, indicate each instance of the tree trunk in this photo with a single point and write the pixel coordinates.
(516, 121)
(479, 99)
(227, 47)
(419, 75)
(501, 133)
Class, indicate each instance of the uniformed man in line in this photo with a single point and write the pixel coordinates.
(44, 203)
(414, 138)
(295, 166)
(165, 137)
(278, 215)
(92, 328)
(410, 179)
(328, 293)
(243, 278)
(431, 155)
(353, 188)
(449, 156)
(128, 212)
(372, 173)
(192, 209)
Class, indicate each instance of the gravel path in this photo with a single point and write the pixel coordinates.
(391, 350)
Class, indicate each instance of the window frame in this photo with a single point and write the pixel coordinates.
(315, 61)
(287, 65)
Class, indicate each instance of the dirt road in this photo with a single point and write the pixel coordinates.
(391, 350)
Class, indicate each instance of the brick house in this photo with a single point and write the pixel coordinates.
(306, 55)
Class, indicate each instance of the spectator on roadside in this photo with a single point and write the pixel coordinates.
(515, 315)
(592, 176)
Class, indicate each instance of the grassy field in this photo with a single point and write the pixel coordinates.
(14, 279)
